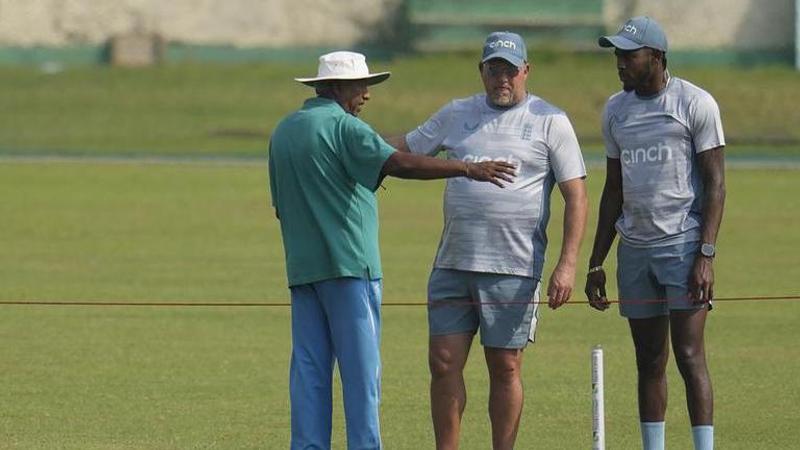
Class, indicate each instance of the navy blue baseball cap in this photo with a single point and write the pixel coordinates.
(506, 45)
(637, 32)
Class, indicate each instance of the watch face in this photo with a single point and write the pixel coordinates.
(707, 250)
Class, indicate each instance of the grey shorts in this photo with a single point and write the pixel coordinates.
(653, 281)
(503, 307)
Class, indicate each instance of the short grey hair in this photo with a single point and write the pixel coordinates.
(324, 88)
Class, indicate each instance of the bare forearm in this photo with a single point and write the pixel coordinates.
(405, 165)
(610, 210)
(713, 206)
(575, 212)
(712, 214)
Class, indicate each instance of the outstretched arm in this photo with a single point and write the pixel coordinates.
(712, 170)
(610, 210)
(419, 167)
(562, 280)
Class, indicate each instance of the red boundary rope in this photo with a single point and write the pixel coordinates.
(286, 304)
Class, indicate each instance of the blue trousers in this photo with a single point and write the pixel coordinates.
(335, 320)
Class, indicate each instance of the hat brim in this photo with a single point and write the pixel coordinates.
(619, 42)
(513, 59)
(373, 78)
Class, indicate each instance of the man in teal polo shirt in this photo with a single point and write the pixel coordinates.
(324, 166)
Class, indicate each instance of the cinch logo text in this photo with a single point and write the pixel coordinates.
(506, 44)
(660, 152)
(630, 29)
(509, 159)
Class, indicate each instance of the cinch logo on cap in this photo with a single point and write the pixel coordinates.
(636, 33)
(506, 44)
(630, 29)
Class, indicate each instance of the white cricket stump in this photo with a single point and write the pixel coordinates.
(598, 402)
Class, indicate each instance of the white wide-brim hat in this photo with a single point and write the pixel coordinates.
(344, 66)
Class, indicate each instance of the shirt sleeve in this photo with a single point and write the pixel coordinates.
(566, 159)
(428, 137)
(364, 152)
(706, 123)
(612, 149)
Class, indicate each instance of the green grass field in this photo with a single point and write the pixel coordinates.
(101, 377)
(176, 378)
(230, 109)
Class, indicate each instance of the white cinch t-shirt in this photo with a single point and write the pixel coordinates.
(657, 140)
(486, 228)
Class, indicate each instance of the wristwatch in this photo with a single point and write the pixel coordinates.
(708, 250)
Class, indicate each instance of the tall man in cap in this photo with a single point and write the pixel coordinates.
(664, 194)
(487, 269)
(324, 166)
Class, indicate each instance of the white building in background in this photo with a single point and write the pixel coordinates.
(244, 23)
(716, 25)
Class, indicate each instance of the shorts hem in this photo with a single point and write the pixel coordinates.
(644, 315)
(509, 347)
(648, 315)
(449, 332)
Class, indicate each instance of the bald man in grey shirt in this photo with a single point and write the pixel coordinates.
(664, 195)
(488, 267)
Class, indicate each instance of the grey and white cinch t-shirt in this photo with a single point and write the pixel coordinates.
(657, 140)
(486, 228)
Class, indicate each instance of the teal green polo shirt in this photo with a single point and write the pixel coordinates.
(324, 167)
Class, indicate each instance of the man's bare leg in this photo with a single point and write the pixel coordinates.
(505, 395)
(447, 356)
